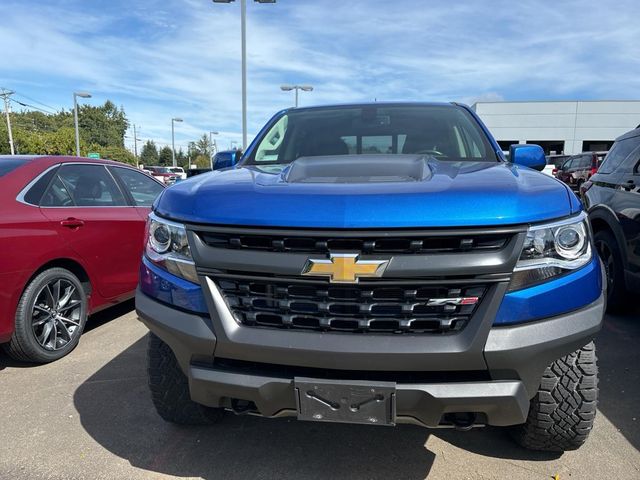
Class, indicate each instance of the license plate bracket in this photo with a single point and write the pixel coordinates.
(349, 401)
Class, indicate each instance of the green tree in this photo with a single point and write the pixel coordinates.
(165, 157)
(53, 134)
(203, 161)
(182, 159)
(203, 146)
(149, 154)
(58, 142)
(103, 125)
(119, 154)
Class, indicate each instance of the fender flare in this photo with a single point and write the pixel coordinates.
(603, 214)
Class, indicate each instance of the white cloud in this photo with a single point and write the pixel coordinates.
(181, 58)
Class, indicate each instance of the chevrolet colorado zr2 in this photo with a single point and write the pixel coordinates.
(376, 264)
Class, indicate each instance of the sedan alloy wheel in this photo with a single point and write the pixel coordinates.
(56, 314)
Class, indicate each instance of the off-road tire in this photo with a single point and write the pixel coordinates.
(170, 388)
(561, 414)
(617, 300)
(23, 344)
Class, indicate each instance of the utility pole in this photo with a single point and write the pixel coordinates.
(135, 142)
(5, 96)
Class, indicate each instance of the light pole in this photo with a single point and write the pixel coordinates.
(304, 88)
(243, 28)
(212, 142)
(173, 140)
(75, 116)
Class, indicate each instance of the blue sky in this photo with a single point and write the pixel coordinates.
(164, 58)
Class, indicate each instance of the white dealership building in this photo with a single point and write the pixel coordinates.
(560, 126)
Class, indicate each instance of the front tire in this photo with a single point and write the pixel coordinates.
(561, 414)
(170, 388)
(50, 317)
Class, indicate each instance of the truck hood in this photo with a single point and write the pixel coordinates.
(398, 191)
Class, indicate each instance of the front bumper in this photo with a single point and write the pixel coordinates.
(513, 358)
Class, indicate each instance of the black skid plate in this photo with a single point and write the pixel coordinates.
(345, 401)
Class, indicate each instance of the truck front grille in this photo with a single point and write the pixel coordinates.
(368, 307)
(366, 244)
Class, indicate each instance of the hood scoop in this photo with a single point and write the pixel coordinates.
(358, 169)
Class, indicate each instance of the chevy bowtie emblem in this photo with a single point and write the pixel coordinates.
(344, 267)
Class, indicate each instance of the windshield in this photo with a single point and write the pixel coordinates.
(557, 161)
(444, 132)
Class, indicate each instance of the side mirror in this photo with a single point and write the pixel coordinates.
(225, 160)
(527, 155)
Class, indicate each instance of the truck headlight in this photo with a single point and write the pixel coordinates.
(167, 246)
(551, 250)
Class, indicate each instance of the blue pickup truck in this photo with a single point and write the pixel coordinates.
(376, 264)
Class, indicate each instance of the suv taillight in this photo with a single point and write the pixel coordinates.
(594, 170)
(554, 172)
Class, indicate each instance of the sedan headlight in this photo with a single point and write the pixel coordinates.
(166, 245)
(551, 250)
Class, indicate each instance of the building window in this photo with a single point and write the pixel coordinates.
(550, 147)
(596, 145)
(505, 144)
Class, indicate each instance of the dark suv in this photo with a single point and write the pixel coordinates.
(612, 198)
(579, 168)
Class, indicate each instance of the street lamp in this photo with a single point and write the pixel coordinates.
(173, 140)
(243, 28)
(213, 143)
(304, 88)
(75, 116)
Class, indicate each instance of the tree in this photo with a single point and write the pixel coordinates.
(203, 146)
(165, 157)
(149, 154)
(58, 142)
(119, 154)
(182, 159)
(103, 125)
(203, 161)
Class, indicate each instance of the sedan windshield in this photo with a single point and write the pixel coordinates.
(445, 132)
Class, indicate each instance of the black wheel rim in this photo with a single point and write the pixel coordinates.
(56, 314)
(609, 266)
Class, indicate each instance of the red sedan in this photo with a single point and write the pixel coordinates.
(71, 232)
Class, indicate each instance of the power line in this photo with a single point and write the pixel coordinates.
(36, 101)
(32, 106)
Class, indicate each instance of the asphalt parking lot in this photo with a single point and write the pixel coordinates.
(89, 415)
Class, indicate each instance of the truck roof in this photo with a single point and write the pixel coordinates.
(374, 104)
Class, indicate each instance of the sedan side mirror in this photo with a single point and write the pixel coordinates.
(528, 155)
